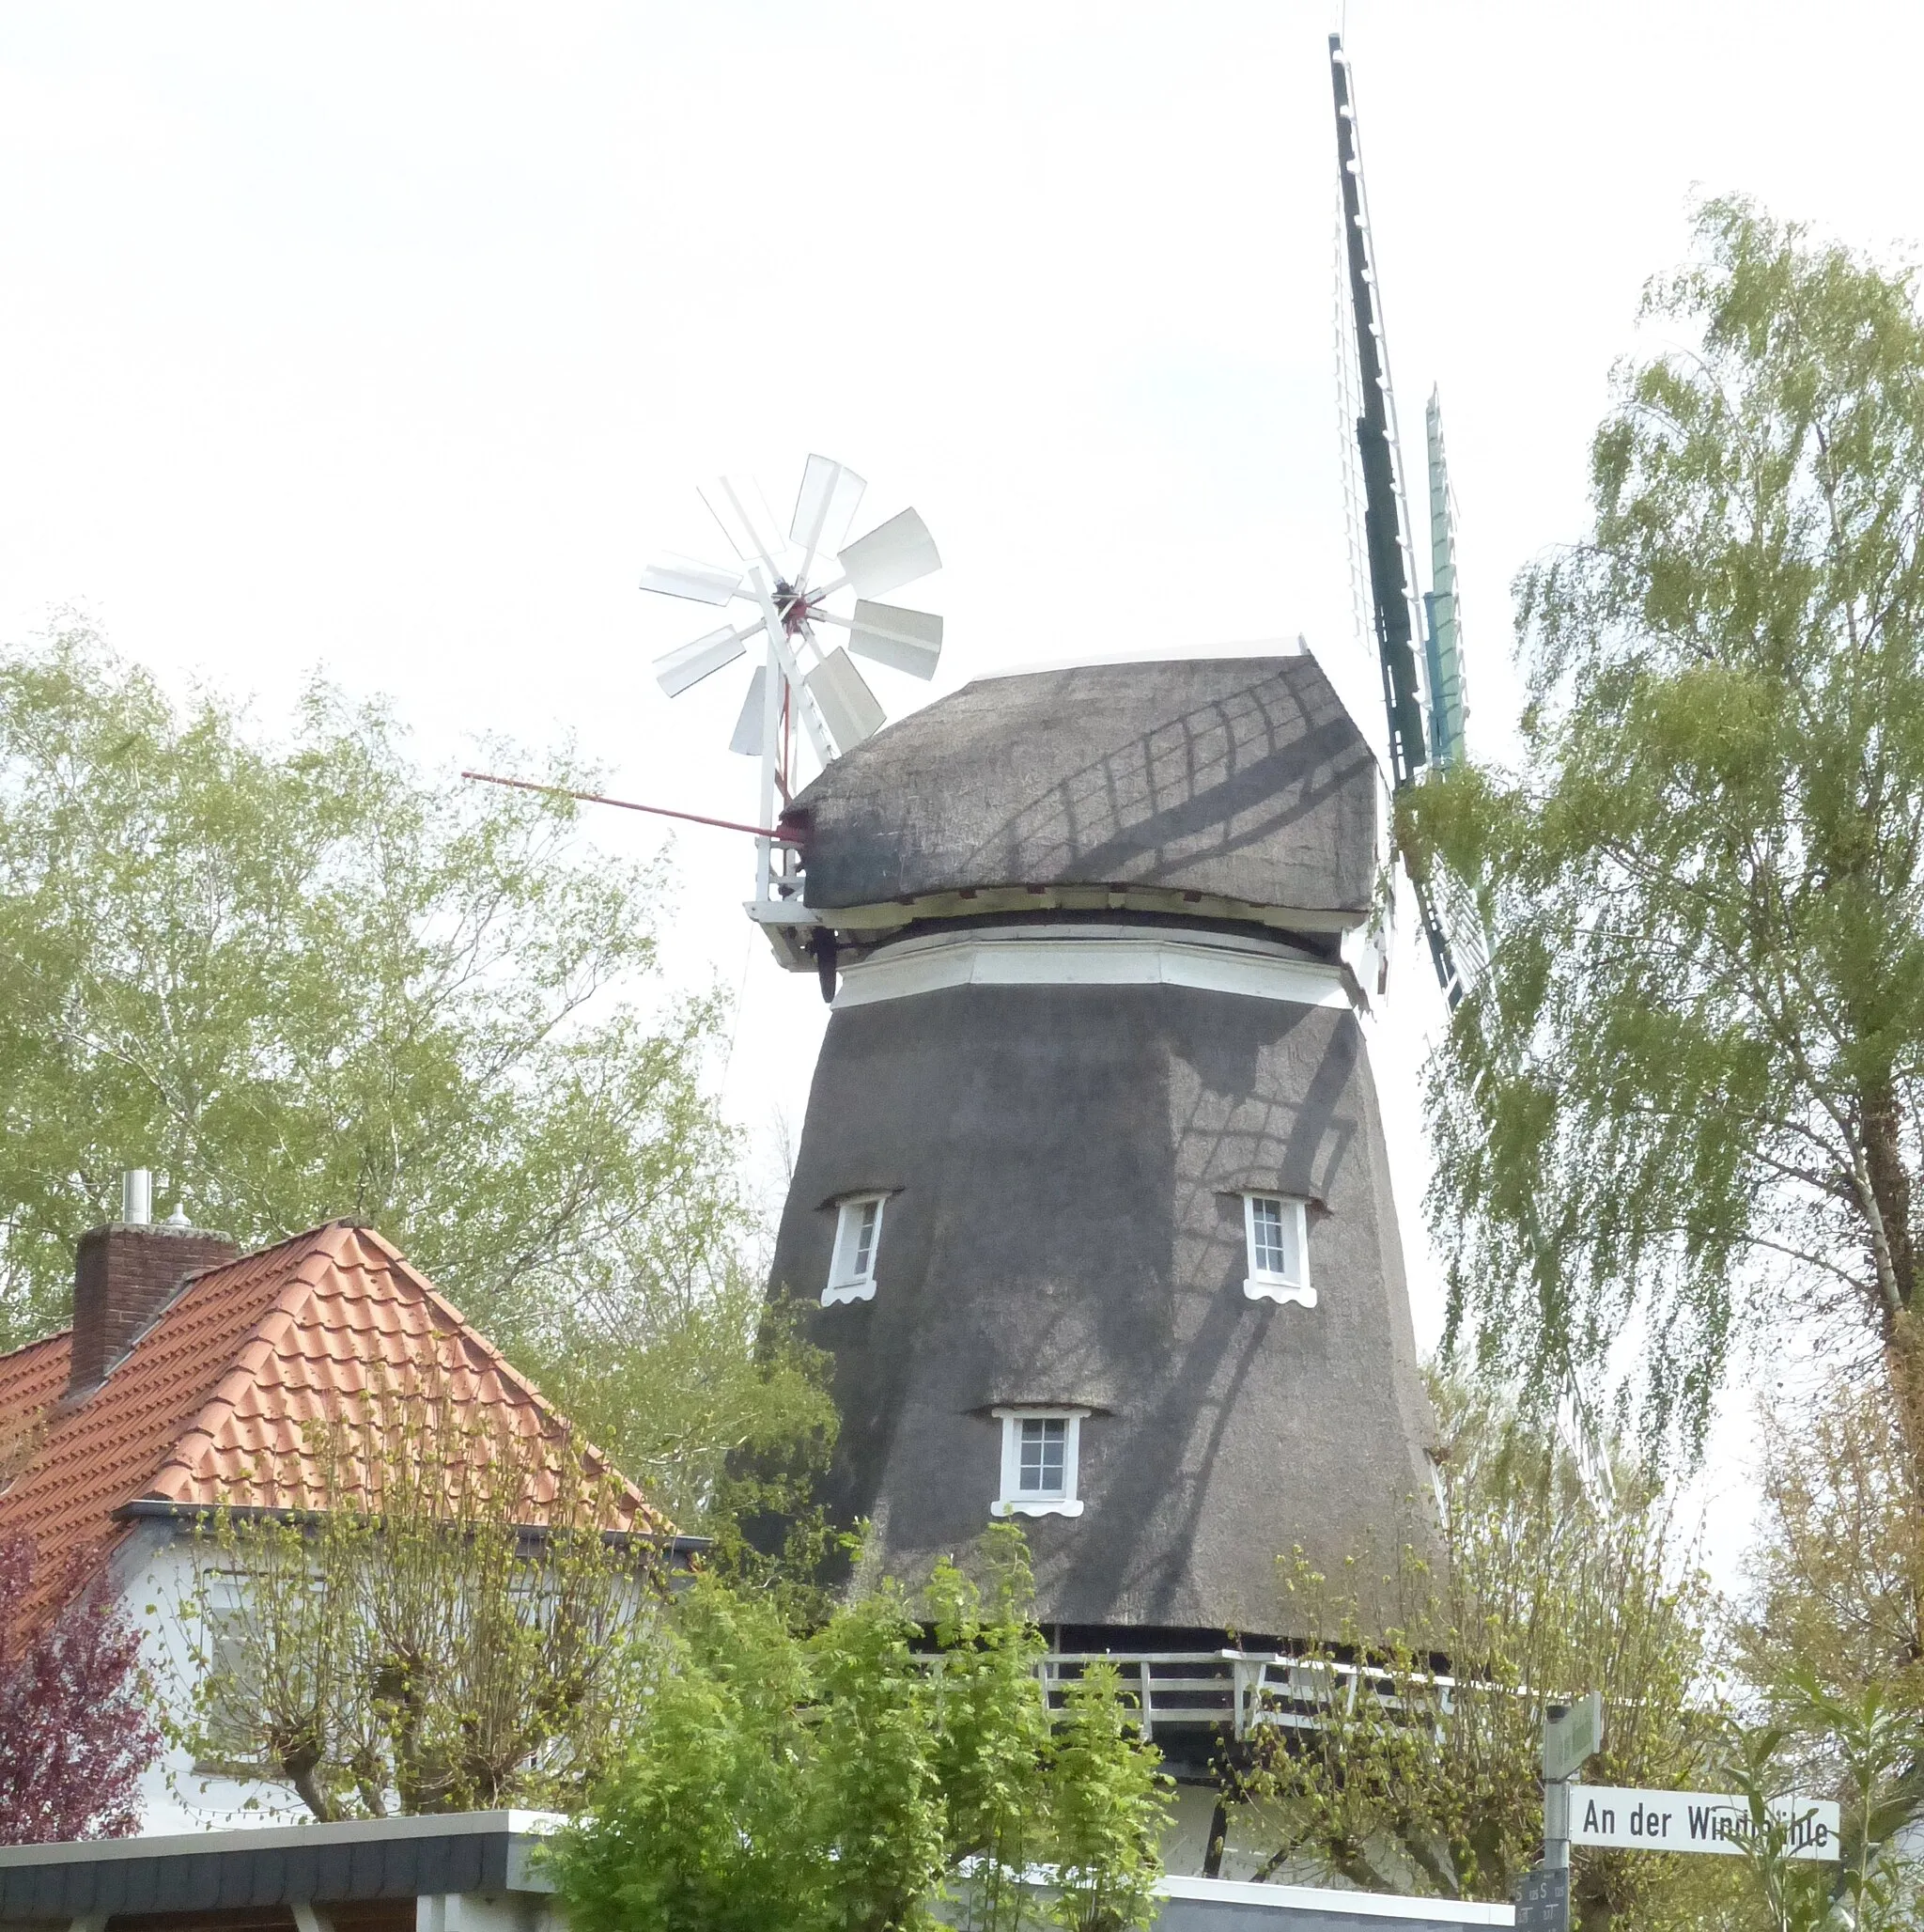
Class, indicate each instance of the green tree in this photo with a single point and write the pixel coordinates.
(1832, 1640)
(1835, 1575)
(1860, 1750)
(1105, 1797)
(306, 979)
(1684, 1105)
(459, 1622)
(853, 1779)
(1419, 1765)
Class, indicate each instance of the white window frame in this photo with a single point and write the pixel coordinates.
(1264, 1284)
(1014, 1501)
(848, 1280)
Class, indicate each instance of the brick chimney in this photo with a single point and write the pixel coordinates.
(124, 1274)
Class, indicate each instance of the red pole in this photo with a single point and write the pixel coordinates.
(596, 798)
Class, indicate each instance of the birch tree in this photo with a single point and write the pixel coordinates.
(1682, 1109)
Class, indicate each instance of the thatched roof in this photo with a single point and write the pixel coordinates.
(1236, 778)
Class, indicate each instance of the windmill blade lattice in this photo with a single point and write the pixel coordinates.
(803, 687)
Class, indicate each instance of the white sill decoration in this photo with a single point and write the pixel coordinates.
(1272, 1287)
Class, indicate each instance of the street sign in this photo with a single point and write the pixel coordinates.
(1695, 1821)
(1574, 1735)
(1543, 1900)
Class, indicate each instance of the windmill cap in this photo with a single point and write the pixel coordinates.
(1221, 779)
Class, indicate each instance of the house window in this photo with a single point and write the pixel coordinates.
(231, 1695)
(858, 1234)
(1039, 1456)
(1278, 1242)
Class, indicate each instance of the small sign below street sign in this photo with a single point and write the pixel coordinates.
(1575, 1736)
(1695, 1821)
(1543, 1900)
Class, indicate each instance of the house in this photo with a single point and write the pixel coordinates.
(194, 1376)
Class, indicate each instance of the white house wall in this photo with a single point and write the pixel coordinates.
(153, 1573)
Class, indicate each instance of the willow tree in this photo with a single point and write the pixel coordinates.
(1682, 1108)
(459, 1621)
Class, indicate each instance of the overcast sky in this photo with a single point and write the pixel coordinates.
(389, 339)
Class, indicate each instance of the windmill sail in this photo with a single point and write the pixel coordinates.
(801, 690)
(1422, 696)
(1386, 515)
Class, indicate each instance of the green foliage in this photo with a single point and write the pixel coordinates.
(1783, 1893)
(1835, 1575)
(706, 1826)
(447, 1628)
(705, 1395)
(1830, 1642)
(1685, 1101)
(851, 1779)
(1421, 1772)
(878, 1758)
(1106, 1790)
(306, 980)
(1859, 1750)
(995, 1729)
(1868, 1746)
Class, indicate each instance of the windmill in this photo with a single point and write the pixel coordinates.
(1090, 1211)
(1424, 697)
(801, 688)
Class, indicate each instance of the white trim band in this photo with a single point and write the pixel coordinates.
(1340, 1905)
(1091, 956)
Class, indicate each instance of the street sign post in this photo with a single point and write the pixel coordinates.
(1629, 1820)
(1709, 1821)
(1573, 1735)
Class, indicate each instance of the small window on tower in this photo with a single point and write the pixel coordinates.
(1039, 1456)
(1278, 1232)
(858, 1234)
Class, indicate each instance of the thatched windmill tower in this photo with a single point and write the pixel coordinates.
(1092, 1207)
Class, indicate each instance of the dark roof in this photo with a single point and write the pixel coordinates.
(1064, 1226)
(1241, 778)
(237, 1878)
(223, 1872)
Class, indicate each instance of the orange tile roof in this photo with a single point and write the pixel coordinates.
(31, 1381)
(217, 1402)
